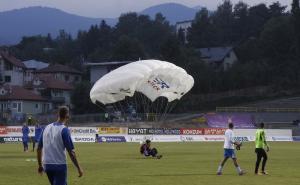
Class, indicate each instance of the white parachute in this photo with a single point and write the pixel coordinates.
(151, 78)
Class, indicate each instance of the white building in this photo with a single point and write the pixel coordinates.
(219, 57)
(184, 26)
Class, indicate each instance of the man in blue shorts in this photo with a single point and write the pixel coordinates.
(25, 137)
(229, 150)
(37, 134)
(51, 155)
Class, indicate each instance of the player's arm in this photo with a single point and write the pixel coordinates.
(265, 141)
(73, 157)
(233, 141)
(68, 143)
(39, 155)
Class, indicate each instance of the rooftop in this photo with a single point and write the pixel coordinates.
(19, 93)
(49, 82)
(107, 63)
(58, 68)
(34, 64)
(215, 54)
(11, 59)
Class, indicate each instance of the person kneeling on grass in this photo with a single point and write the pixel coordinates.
(147, 151)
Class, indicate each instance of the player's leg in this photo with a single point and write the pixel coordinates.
(33, 144)
(265, 158)
(234, 159)
(24, 147)
(238, 168)
(258, 159)
(153, 152)
(25, 143)
(60, 178)
(50, 175)
(220, 168)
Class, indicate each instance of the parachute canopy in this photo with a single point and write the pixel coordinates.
(152, 78)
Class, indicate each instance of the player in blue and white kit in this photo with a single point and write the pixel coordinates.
(25, 137)
(51, 155)
(229, 151)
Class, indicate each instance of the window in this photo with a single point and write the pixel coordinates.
(36, 105)
(7, 78)
(8, 66)
(14, 105)
(20, 107)
(67, 77)
(58, 93)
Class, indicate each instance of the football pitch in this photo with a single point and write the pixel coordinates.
(182, 164)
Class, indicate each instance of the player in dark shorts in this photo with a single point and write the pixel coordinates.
(37, 135)
(25, 137)
(147, 151)
(260, 145)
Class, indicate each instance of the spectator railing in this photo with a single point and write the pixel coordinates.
(255, 109)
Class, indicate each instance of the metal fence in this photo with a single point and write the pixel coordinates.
(116, 117)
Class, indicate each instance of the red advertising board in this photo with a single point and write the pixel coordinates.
(191, 131)
(214, 131)
(3, 130)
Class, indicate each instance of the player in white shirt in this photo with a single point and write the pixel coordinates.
(51, 152)
(229, 152)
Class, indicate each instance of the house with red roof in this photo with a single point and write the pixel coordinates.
(12, 70)
(54, 90)
(62, 72)
(16, 102)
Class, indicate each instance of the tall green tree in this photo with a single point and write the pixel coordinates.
(202, 32)
(128, 49)
(241, 22)
(296, 23)
(223, 21)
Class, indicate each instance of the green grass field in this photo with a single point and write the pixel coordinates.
(183, 163)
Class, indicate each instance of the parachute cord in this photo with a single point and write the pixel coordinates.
(136, 103)
(160, 109)
(144, 112)
(172, 107)
(101, 107)
(127, 104)
(122, 111)
(165, 112)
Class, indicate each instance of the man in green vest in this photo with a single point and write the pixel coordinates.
(260, 144)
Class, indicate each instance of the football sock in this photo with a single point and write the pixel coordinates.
(239, 170)
(220, 169)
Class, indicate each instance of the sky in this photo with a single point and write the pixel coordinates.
(113, 8)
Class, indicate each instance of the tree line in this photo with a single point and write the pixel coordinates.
(265, 38)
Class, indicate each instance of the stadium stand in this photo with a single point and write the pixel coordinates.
(220, 120)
